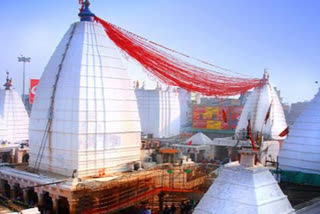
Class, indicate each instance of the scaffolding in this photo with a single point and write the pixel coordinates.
(141, 186)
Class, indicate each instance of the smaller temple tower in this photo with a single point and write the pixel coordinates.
(263, 115)
(14, 120)
(262, 101)
(244, 187)
(160, 111)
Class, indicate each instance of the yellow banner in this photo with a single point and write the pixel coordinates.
(213, 124)
(207, 116)
(212, 110)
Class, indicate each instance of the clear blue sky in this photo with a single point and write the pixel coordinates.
(243, 35)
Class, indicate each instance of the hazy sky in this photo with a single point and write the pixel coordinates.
(243, 35)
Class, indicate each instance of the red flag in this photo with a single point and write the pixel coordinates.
(284, 132)
(224, 116)
(250, 135)
(82, 5)
(268, 113)
(190, 143)
(252, 142)
(33, 88)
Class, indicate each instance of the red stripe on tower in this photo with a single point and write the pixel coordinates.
(268, 113)
(284, 132)
(249, 133)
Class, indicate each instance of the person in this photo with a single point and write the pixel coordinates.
(173, 209)
(31, 202)
(193, 203)
(182, 207)
(188, 208)
(148, 211)
(19, 198)
(25, 158)
(142, 210)
(166, 210)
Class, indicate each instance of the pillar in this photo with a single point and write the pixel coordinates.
(26, 196)
(140, 165)
(13, 159)
(2, 186)
(39, 195)
(12, 190)
(72, 205)
(55, 201)
(12, 193)
(20, 154)
(161, 195)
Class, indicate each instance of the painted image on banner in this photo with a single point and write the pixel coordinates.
(216, 117)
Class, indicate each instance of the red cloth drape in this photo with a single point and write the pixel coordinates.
(174, 71)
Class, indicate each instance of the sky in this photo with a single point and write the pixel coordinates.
(246, 36)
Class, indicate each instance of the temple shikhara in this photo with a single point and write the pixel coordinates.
(204, 140)
(94, 121)
(299, 157)
(14, 120)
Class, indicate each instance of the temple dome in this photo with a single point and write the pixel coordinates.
(95, 122)
(256, 108)
(14, 120)
(301, 151)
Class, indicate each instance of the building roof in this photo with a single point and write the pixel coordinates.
(301, 150)
(256, 108)
(240, 189)
(199, 139)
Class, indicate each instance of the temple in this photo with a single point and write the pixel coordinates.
(14, 120)
(85, 114)
(263, 101)
(300, 156)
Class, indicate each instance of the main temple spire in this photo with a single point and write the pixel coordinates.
(85, 13)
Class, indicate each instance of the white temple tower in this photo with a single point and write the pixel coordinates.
(86, 91)
(244, 187)
(256, 108)
(14, 120)
(301, 151)
(159, 111)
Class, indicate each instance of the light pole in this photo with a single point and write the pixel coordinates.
(23, 59)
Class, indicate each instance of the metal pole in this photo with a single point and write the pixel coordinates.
(23, 59)
(23, 79)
